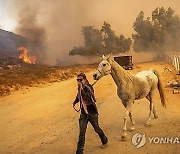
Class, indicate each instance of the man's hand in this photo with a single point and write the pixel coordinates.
(74, 104)
(80, 85)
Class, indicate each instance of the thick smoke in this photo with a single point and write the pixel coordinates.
(29, 27)
(56, 25)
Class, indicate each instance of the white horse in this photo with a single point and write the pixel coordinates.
(132, 87)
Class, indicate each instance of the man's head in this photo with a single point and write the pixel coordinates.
(81, 78)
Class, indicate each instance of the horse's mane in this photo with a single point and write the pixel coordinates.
(117, 67)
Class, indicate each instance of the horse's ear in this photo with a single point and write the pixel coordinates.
(108, 57)
(103, 57)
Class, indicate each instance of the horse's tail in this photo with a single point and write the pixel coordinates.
(160, 87)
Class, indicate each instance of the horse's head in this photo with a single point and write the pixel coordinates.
(103, 69)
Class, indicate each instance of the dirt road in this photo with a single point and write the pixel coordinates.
(42, 120)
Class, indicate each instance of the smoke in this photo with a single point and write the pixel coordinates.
(29, 27)
(55, 26)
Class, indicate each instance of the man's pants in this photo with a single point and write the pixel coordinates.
(83, 121)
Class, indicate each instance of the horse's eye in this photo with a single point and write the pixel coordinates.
(104, 64)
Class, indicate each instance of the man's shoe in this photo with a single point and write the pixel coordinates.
(79, 152)
(105, 140)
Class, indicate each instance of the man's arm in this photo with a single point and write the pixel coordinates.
(85, 92)
(76, 100)
(91, 92)
(88, 92)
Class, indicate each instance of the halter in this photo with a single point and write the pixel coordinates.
(104, 72)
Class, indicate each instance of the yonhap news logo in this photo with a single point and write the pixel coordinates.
(139, 140)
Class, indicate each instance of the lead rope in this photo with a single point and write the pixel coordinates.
(94, 82)
(83, 103)
(80, 103)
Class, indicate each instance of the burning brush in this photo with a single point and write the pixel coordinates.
(25, 57)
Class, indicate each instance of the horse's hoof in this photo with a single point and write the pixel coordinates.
(131, 129)
(147, 124)
(123, 138)
(104, 146)
(155, 116)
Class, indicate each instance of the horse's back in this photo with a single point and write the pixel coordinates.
(148, 76)
(144, 74)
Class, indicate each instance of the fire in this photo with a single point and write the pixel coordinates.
(24, 56)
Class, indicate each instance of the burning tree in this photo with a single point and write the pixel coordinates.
(99, 42)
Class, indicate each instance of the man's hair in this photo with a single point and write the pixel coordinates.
(82, 75)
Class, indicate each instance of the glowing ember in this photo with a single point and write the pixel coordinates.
(24, 56)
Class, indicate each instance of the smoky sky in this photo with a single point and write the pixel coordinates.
(57, 23)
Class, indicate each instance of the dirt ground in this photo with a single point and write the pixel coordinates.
(41, 119)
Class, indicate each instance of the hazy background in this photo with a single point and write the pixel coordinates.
(56, 24)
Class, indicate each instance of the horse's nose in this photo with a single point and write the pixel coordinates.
(94, 76)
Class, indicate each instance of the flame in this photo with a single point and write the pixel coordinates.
(24, 56)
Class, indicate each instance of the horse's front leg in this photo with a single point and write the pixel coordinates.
(128, 108)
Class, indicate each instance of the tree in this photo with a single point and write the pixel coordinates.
(159, 33)
(99, 42)
(109, 38)
(93, 39)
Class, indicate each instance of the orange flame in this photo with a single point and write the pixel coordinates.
(24, 56)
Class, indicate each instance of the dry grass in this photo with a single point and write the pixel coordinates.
(33, 75)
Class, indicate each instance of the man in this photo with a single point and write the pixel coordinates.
(89, 112)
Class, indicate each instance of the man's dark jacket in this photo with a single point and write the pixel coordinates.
(87, 92)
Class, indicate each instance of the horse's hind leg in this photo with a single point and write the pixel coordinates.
(151, 94)
(154, 111)
(132, 121)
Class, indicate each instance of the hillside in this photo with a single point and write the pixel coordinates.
(9, 41)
